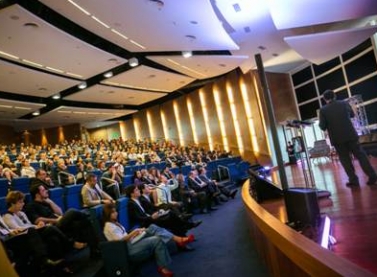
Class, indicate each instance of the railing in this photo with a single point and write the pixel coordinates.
(288, 253)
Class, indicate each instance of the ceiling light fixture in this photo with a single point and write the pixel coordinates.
(108, 74)
(186, 54)
(133, 62)
(36, 113)
(82, 85)
(56, 96)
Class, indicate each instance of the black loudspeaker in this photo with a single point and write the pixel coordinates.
(302, 206)
(116, 260)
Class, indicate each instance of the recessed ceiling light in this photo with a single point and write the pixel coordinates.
(186, 54)
(190, 37)
(82, 85)
(113, 60)
(194, 22)
(56, 96)
(261, 47)
(133, 62)
(275, 54)
(108, 74)
(36, 113)
(31, 25)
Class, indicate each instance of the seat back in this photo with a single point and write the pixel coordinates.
(21, 184)
(72, 197)
(3, 187)
(123, 212)
(56, 195)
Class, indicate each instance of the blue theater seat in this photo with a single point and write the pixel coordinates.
(21, 184)
(72, 169)
(185, 170)
(35, 165)
(3, 205)
(123, 212)
(56, 195)
(127, 180)
(3, 187)
(72, 197)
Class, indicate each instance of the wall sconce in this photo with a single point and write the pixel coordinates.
(186, 54)
(133, 62)
(82, 85)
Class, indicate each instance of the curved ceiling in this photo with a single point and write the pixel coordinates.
(127, 55)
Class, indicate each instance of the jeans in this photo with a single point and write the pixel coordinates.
(147, 247)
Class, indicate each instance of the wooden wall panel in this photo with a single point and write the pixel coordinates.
(170, 121)
(9, 136)
(185, 120)
(130, 129)
(200, 128)
(54, 135)
(158, 130)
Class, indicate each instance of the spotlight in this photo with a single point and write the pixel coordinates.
(56, 96)
(133, 62)
(108, 74)
(82, 85)
(36, 113)
(186, 54)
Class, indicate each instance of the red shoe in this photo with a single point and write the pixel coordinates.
(184, 241)
(164, 272)
(190, 238)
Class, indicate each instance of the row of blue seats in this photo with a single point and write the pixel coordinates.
(19, 183)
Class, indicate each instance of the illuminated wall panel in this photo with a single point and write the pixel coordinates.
(249, 116)
(164, 125)
(206, 118)
(235, 118)
(178, 122)
(192, 120)
(220, 116)
(137, 128)
(150, 125)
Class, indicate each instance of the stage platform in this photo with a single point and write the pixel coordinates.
(353, 211)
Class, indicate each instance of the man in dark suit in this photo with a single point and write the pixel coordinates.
(335, 117)
(140, 216)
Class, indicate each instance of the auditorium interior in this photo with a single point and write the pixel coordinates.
(232, 86)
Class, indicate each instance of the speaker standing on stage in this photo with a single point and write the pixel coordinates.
(335, 117)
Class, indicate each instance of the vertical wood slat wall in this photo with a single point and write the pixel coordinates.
(283, 101)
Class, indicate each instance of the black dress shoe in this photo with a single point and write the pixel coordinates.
(196, 223)
(187, 248)
(233, 193)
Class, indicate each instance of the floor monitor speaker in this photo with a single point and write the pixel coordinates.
(302, 206)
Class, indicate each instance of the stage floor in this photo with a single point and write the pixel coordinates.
(353, 211)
